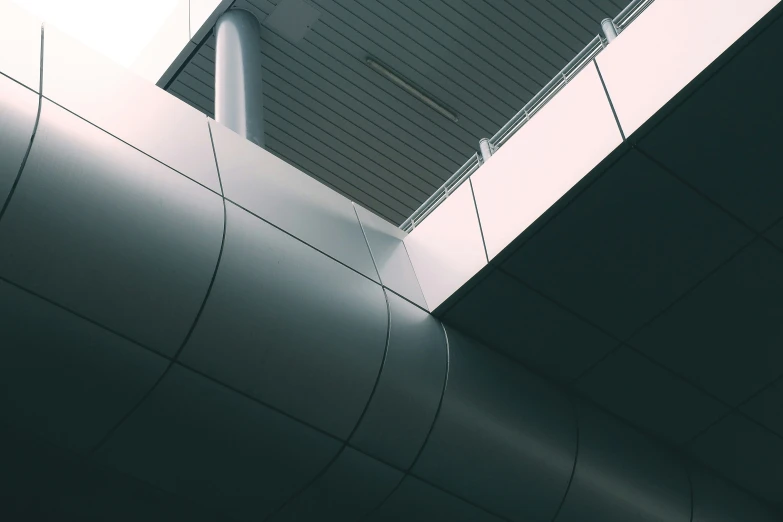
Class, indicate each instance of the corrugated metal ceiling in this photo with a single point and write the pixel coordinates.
(333, 117)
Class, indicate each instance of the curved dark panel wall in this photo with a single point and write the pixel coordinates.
(504, 439)
(716, 501)
(198, 439)
(110, 233)
(311, 387)
(290, 327)
(65, 380)
(402, 410)
(17, 119)
(620, 476)
(288, 198)
(350, 489)
(417, 501)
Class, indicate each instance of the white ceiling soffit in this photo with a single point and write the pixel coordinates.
(335, 118)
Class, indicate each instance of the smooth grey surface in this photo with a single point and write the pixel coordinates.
(70, 489)
(110, 233)
(403, 407)
(620, 476)
(417, 501)
(767, 407)
(126, 105)
(195, 438)
(628, 246)
(239, 100)
(18, 108)
(504, 439)
(732, 154)
(291, 327)
(775, 235)
(508, 316)
(45, 351)
(749, 454)
(290, 199)
(726, 335)
(391, 257)
(716, 501)
(350, 489)
(650, 396)
(20, 42)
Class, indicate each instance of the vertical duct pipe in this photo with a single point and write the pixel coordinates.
(609, 29)
(239, 103)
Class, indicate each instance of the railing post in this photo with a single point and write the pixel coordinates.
(609, 29)
(485, 149)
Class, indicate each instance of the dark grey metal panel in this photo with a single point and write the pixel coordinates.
(45, 351)
(128, 106)
(417, 501)
(110, 233)
(510, 317)
(390, 256)
(621, 476)
(196, 438)
(403, 407)
(71, 489)
(291, 200)
(351, 488)
(619, 273)
(288, 325)
(716, 501)
(18, 108)
(504, 439)
(732, 155)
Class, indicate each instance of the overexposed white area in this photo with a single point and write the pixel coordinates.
(120, 29)
(146, 36)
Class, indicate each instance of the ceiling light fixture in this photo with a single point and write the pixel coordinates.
(411, 89)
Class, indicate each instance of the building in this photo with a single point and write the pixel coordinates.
(582, 323)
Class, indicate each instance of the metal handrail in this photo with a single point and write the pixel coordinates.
(591, 50)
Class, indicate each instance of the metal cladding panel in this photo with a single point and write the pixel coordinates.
(106, 231)
(533, 170)
(417, 501)
(198, 439)
(447, 249)
(730, 152)
(291, 327)
(45, 351)
(667, 47)
(621, 476)
(18, 108)
(716, 501)
(129, 107)
(391, 257)
(504, 439)
(352, 487)
(403, 407)
(21, 44)
(291, 200)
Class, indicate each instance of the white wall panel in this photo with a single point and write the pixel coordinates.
(446, 249)
(544, 159)
(667, 47)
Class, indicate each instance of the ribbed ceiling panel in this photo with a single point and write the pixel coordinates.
(342, 123)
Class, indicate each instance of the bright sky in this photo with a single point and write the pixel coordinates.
(120, 29)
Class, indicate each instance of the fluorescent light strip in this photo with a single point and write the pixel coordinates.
(411, 89)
